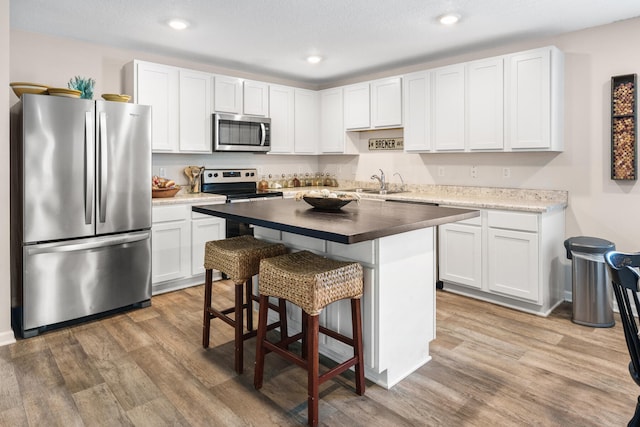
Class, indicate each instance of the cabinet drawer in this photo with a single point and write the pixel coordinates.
(170, 213)
(363, 251)
(267, 233)
(303, 242)
(513, 220)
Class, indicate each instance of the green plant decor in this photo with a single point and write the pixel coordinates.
(83, 85)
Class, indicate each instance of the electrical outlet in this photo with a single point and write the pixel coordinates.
(474, 172)
(506, 172)
(440, 170)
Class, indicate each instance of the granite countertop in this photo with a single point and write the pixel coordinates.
(513, 199)
(356, 222)
(184, 198)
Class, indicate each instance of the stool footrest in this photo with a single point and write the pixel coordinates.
(336, 336)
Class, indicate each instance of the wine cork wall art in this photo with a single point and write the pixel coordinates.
(624, 127)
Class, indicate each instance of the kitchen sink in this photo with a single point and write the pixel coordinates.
(373, 191)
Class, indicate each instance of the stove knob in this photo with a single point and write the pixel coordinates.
(209, 175)
(246, 174)
(215, 175)
(253, 174)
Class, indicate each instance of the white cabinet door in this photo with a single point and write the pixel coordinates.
(356, 106)
(204, 230)
(195, 111)
(460, 254)
(530, 100)
(255, 97)
(417, 112)
(332, 132)
(227, 95)
(485, 101)
(386, 103)
(307, 111)
(514, 263)
(282, 112)
(157, 86)
(448, 108)
(171, 251)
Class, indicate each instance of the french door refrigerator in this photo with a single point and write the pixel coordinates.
(80, 210)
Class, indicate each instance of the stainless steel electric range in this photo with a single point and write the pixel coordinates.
(238, 185)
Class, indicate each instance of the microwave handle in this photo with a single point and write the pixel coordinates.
(263, 132)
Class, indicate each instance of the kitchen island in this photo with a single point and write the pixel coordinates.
(394, 242)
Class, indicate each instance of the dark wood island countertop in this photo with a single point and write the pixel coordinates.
(356, 222)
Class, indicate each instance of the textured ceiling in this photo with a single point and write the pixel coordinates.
(274, 37)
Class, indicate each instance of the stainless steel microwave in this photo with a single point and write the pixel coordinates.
(233, 132)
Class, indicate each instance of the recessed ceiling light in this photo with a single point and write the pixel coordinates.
(314, 59)
(449, 19)
(178, 24)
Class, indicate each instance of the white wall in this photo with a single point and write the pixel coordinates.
(6, 334)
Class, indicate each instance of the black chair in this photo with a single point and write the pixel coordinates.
(623, 270)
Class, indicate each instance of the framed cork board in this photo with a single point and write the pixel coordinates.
(624, 127)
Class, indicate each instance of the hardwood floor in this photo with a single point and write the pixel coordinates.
(491, 366)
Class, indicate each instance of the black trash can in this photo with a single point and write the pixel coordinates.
(592, 293)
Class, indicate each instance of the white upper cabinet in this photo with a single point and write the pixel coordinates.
(417, 111)
(180, 103)
(227, 95)
(536, 93)
(158, 86)
(508, 103)
(386, 103)
(306, 127)
(485, 104)
(282, 113)
(373, 105)
(255, 98)
(195, 112)
(332, 132)
(357, 114)
(448, 108)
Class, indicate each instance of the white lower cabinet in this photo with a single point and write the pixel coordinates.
(460, 256)
(509, 258)
(178, 237)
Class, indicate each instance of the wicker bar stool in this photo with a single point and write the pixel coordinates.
(239, 258)
(311, 282)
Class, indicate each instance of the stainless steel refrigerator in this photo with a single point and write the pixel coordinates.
(80, 210)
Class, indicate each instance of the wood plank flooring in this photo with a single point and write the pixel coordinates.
(491, 366)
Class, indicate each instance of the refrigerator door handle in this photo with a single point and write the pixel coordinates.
(104, 165)
(88, 167)
(93, 244)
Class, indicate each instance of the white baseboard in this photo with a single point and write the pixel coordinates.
(7, 338)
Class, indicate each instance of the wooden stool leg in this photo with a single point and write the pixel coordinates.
(206, 318)
(249, 290)
(356, 321)
(313, 367)
(260, 337)
(282, 314)
(305, 328)
(239, 328)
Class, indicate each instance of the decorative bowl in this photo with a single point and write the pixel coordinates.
(61, 91)
(322, 201)
(24, 87)
(157, 193)
(116, 97)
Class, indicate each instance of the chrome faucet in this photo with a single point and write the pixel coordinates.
(402, 187)
(381, 180)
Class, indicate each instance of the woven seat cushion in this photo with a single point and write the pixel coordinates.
(310, 281)
(239, 257)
